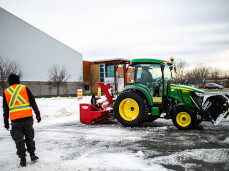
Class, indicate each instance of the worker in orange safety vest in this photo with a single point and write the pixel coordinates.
(18, 102)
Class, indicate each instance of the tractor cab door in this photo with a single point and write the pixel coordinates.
(150, 77)
(167, 79)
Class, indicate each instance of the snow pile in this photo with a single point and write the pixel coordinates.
(60, 107)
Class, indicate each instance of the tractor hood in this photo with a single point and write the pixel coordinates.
(185, 88)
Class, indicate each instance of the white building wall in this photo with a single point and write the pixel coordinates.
(34, 51)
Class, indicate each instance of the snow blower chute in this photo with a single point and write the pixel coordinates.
(98, 112)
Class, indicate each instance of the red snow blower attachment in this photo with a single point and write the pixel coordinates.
(98, 112)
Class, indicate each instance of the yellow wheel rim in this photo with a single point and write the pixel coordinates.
(183, 119)
(129, 109)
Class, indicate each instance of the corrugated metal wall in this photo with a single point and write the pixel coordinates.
(34, 51)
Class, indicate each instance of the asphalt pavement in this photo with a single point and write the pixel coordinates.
(206, 147)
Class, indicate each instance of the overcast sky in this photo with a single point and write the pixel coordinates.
(196, 31)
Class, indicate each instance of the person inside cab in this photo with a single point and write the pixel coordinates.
(146, 76)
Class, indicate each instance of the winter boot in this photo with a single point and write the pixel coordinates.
(23, 162)
(33, 157)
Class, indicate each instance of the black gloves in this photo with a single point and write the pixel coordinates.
(38, 118)
(7, 126)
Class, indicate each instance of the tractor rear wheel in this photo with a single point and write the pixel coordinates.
(184, 118)
(131, 109)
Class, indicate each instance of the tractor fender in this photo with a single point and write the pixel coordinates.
(177, 106)
(143, 91)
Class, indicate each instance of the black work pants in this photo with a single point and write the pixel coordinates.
(23, 133)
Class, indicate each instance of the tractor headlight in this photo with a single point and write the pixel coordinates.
(197, 98)
(199, 94)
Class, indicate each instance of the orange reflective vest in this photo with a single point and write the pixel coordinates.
(18, 102)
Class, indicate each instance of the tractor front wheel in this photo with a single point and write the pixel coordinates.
(184, 118)
(131, 109)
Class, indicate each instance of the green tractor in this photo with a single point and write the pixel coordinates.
(153, 94)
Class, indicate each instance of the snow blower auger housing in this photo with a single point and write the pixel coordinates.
(98, 112)
(153, 94)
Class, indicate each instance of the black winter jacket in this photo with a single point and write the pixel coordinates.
(32, 104)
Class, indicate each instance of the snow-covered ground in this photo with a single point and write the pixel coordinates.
(62, 148)
(63, 143)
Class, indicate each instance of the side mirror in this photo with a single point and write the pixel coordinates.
(171, 67)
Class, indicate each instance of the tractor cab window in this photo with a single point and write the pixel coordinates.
(167, 74)
(167, 78)
(149, 75)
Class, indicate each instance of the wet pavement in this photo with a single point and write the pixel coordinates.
(206, 147)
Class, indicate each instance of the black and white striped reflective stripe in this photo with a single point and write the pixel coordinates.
(19, 107)
(15, 95)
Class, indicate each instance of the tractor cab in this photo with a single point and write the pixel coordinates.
(154, 76)
(150, 76)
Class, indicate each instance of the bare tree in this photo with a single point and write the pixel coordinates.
(214, 74)
(199, 72)
(58, 75)
(225, 74)
(180, 67)
(7, 67)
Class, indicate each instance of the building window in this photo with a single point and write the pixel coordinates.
(87, 87)
(128, 74)
(101, 69)
(133, 75)
(116, 73)
(109, 70)
(120, 74)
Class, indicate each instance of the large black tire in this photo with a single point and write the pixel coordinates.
(184, 118)
(131, 109)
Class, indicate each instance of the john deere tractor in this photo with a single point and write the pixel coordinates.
(154, 94)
